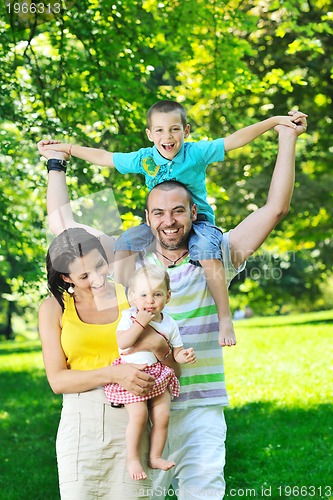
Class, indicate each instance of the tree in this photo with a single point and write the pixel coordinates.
(89, 72)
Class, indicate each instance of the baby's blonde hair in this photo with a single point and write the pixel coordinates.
(150, 272)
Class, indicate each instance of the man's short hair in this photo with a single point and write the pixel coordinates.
(170, 186)
(166, 107)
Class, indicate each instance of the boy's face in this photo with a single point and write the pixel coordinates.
(167, 133)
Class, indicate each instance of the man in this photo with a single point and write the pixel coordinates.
(197, 428)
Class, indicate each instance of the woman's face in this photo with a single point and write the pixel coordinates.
(89, 273)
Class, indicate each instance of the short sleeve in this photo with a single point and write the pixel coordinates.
(125, 321)
(128, 163)
(211, 150)
(175, 337)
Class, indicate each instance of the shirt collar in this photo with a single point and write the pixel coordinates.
(160, 160)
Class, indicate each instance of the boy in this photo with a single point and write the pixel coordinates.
(173, 159)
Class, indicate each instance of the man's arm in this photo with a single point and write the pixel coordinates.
(248, 236)
(92, 155)
(247, 134)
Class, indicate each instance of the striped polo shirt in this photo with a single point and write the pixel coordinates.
(194, 309)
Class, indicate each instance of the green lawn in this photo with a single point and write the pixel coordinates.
(280, 419)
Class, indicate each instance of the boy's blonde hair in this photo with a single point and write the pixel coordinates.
(150, 272)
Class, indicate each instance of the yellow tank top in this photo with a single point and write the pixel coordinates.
(89, 346)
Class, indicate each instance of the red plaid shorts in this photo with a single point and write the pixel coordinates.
(165, 378)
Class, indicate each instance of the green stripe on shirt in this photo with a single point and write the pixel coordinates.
(195, 313)
(200, 379)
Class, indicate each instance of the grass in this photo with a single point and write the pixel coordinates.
(29, 414)
(280, 385)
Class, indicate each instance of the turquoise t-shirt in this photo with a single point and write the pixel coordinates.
(188, 166)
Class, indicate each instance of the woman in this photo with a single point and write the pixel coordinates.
(78, 333)
(77, 329)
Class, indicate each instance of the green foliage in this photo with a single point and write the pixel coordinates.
(89, 73)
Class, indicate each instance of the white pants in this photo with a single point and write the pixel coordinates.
(197, 443)
(91, 451)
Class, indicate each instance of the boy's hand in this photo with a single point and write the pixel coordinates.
(299, 120)
(47, 148)
(292, 120)
(57, 146)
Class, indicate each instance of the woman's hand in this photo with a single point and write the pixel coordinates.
(150, 340)
(132, 378)
(50, 153)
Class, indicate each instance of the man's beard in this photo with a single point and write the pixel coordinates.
(173, 245)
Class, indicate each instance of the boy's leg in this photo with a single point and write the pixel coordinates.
(217, 285)
(205, 246)
(160, 415)
(124, 266)
(127, 247)
(138, 416)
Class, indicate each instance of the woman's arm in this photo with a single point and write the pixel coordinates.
(57, 200)
(149, 340)
(60, 215)
(62, 380)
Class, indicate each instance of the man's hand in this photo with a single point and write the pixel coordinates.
(300, 121)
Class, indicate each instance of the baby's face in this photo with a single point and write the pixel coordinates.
(167, 133)
(150, 295)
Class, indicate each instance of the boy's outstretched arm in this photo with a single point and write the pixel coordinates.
(247, 134)
(92, 155)
(248, 236)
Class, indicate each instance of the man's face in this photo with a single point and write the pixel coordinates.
(170, 217)
(167, 133)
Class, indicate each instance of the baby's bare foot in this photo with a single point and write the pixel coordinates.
(227, 335)
(160, 463)
(136, 470)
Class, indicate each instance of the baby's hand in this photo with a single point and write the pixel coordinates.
(144, 317)
(188, 355)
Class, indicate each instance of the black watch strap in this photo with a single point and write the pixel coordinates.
(55, 164)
